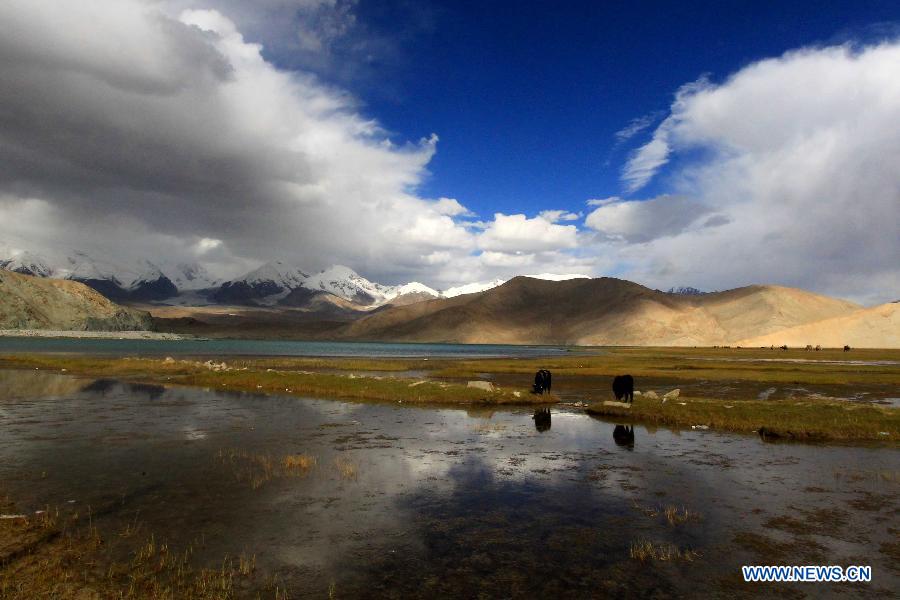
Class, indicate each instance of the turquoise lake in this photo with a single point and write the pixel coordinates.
(224, 347)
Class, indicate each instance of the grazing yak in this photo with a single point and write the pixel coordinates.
(541, 382)
(623, 387)
(623, 435)
(542, 419)
(846, 348)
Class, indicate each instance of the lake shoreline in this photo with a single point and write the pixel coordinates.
(112, 335)
(507, 382)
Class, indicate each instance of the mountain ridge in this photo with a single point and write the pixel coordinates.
(601, 311)
(186, 284)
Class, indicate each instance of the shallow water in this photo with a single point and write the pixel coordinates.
(228, 347)
(442, 501)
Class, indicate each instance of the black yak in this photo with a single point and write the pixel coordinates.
(541, 382)
(623, 387)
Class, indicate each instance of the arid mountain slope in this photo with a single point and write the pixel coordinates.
(876, 327)
(760, 309)
(28, 302)
(603, 311)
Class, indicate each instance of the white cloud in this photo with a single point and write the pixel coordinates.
(116, 112)
(205, 245)
(797, 156)
(646, 161)
(603, 201)
(452, 208)
(152, 130)
(555, 216)
(519, 233)
(635, 126)
(147, 132)
(507, 259)
(642, 221)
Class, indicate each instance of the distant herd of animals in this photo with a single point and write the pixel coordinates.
(809, 347)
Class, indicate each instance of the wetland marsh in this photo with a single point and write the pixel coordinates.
(154, 480)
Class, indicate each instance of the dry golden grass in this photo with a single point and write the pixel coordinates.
(49, 555)
(258, 469)
(677, 516)
(674, 515)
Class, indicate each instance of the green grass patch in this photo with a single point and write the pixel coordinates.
(257, 376)
(807, 420)
(713, 364)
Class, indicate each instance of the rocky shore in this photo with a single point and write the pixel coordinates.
(115, 335)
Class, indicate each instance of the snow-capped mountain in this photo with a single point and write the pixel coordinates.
(141, 281)
(190, 276)
(25, 262)
(483, 286)
(414, 287)
(266, 284)
(138, 281)
(559, 277)
(471, 288)
(274, 283)
(278, 282)
(346, 283)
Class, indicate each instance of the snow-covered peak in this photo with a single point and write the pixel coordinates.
(413, 287)
(278, 272)
(23, 261)
(190, 276)
(144, 271)
(559, 277)
(472, 288)
(348, 284)
(80, 266)
(483, 286)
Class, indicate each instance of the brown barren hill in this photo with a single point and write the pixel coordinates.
(760, 309)
(604, 311)
(876, 327)
(28, 302)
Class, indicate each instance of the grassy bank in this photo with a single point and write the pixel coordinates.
(265, 376)
(808, 420)
(583, 373)
(828, 367)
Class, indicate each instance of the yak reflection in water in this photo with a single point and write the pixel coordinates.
(542, 419)
(624, 435)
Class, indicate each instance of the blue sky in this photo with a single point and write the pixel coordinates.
(229, 133)
(527, 97)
